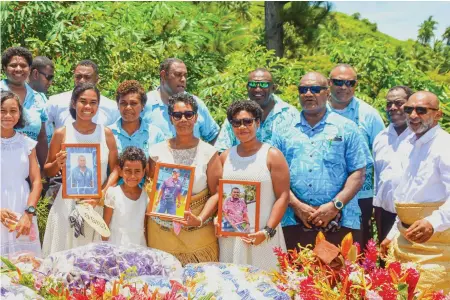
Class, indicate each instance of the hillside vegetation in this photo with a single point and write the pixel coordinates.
(220, 43)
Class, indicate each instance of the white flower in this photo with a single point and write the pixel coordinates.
(372, 295)
(355, 277)
(409, 265)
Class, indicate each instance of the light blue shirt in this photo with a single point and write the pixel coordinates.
(146, 136)
(320, 159)
(370, 125)
(49, 127)
(157, 113)
(33, 111)
(282, 117)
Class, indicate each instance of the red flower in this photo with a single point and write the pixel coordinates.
(307, 289)
(99, 287)
(282, 257)
(380, 277)
(371, 252)
(388, 292)
(412, 278)
(438, 295)
(396, 267)
(77, 296)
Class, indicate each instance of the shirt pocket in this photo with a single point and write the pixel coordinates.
(334, 159)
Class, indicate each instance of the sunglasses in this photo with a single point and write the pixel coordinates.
(315, 89)
(340, 82)
(48, 77)
(189, 114)
(261, 84)
(420, 110)
(398, 104)
(245, 121)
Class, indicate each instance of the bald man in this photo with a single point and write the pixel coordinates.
(422, 230)
(327, 160)
(277, 114)
(343, 82)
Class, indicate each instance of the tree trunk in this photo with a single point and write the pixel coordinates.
(274, 26)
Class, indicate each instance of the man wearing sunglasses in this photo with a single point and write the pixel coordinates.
(173, 79)
(327, 158)
(387, 165)
(277, 114)
(343, 82)
(422, 199)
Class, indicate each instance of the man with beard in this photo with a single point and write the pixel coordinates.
(421, 233)
(343, 82)
(387, 164)
(278, 115)
(173, 80)
(86, 71)
(327, 158)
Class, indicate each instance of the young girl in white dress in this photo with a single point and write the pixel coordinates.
(66, 230)
(125, 204)
(19, 231)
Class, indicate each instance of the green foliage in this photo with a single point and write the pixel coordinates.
(221, 42)
(42, 211)
(426, 30)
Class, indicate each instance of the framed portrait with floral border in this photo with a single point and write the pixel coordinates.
(171, 191)
(81, 176)
(239, 207)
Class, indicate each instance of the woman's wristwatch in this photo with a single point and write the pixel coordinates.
(270, 232)
(31, 210)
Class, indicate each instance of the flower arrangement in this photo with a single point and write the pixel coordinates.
(311, 274)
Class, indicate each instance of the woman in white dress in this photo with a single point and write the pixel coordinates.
(252, 160)
(60, 233)
(196, 241)
(18, 161)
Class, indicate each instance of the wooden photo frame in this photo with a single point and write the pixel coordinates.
(169, 200)
(81, 176)
(238, 216)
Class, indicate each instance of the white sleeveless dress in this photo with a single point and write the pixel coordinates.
(58, 233)
(15, 190)
(233, 249)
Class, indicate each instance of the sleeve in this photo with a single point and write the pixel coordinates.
(30, 144)
(356, 148)
(159, 135)
(394, 232)
(376, 128)
(226, 137)
(209, 128)
(440, 219)
(42, 100)
(110, 199)
(51, 111)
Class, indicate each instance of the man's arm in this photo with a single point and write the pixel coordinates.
(209, 128)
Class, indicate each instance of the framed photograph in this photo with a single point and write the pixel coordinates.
(81, 174)
(239, 204)
(171, 191)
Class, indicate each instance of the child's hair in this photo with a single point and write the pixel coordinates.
(6, 95)
(132, 154)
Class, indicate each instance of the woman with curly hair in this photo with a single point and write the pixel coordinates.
(16, 63)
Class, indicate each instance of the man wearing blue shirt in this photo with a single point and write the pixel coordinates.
(81, 176)
(326, 157)
(277, 114)
(173, 80)
(343, 82)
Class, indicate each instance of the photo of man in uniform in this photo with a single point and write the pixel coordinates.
(170, 194)
(235, 213)
(81, 176)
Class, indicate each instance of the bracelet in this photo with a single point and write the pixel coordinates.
(201, 222)
(266, 234)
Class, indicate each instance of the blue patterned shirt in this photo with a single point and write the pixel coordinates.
(33, 111)
(282, 117)
(157, 113)
(146, 136)
(370, 125)
(320, 159)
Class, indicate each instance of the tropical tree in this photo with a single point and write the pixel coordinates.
(446, 36)
(426, 31)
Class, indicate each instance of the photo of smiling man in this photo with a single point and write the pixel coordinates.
(170, 194)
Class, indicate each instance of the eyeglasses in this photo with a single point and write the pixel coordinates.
(189, 114)
(398, 104)
(420, 110)
(340, 82)
(261, 84)
(48, 77)
(315, 89)
(245, 121)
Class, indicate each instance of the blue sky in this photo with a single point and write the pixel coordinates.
(400, 19)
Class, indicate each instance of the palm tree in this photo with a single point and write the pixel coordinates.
(446, 36)
(426, 31)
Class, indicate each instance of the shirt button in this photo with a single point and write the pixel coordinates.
(310, 170)
(312, 143)
(310, 155)
(310, 185)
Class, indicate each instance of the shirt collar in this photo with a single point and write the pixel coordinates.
(428, 136)
(305, 123)
(279, 106)
(391, 131)
(117, 127)
(154, 98)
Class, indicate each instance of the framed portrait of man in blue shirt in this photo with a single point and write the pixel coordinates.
(171, 191)
(81, 174)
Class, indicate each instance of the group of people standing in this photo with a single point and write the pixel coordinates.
(322, 169)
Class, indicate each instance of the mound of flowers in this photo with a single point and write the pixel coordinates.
(329, 272)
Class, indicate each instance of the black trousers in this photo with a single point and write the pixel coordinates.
(294, 235)
(366, 206)
(385, 220)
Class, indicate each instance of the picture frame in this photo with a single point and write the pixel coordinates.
(169, 200)
(81, 176)
(239, 207)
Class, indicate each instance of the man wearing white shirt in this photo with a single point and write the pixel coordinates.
(421, 233)
(386, 161)
(58, 105)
